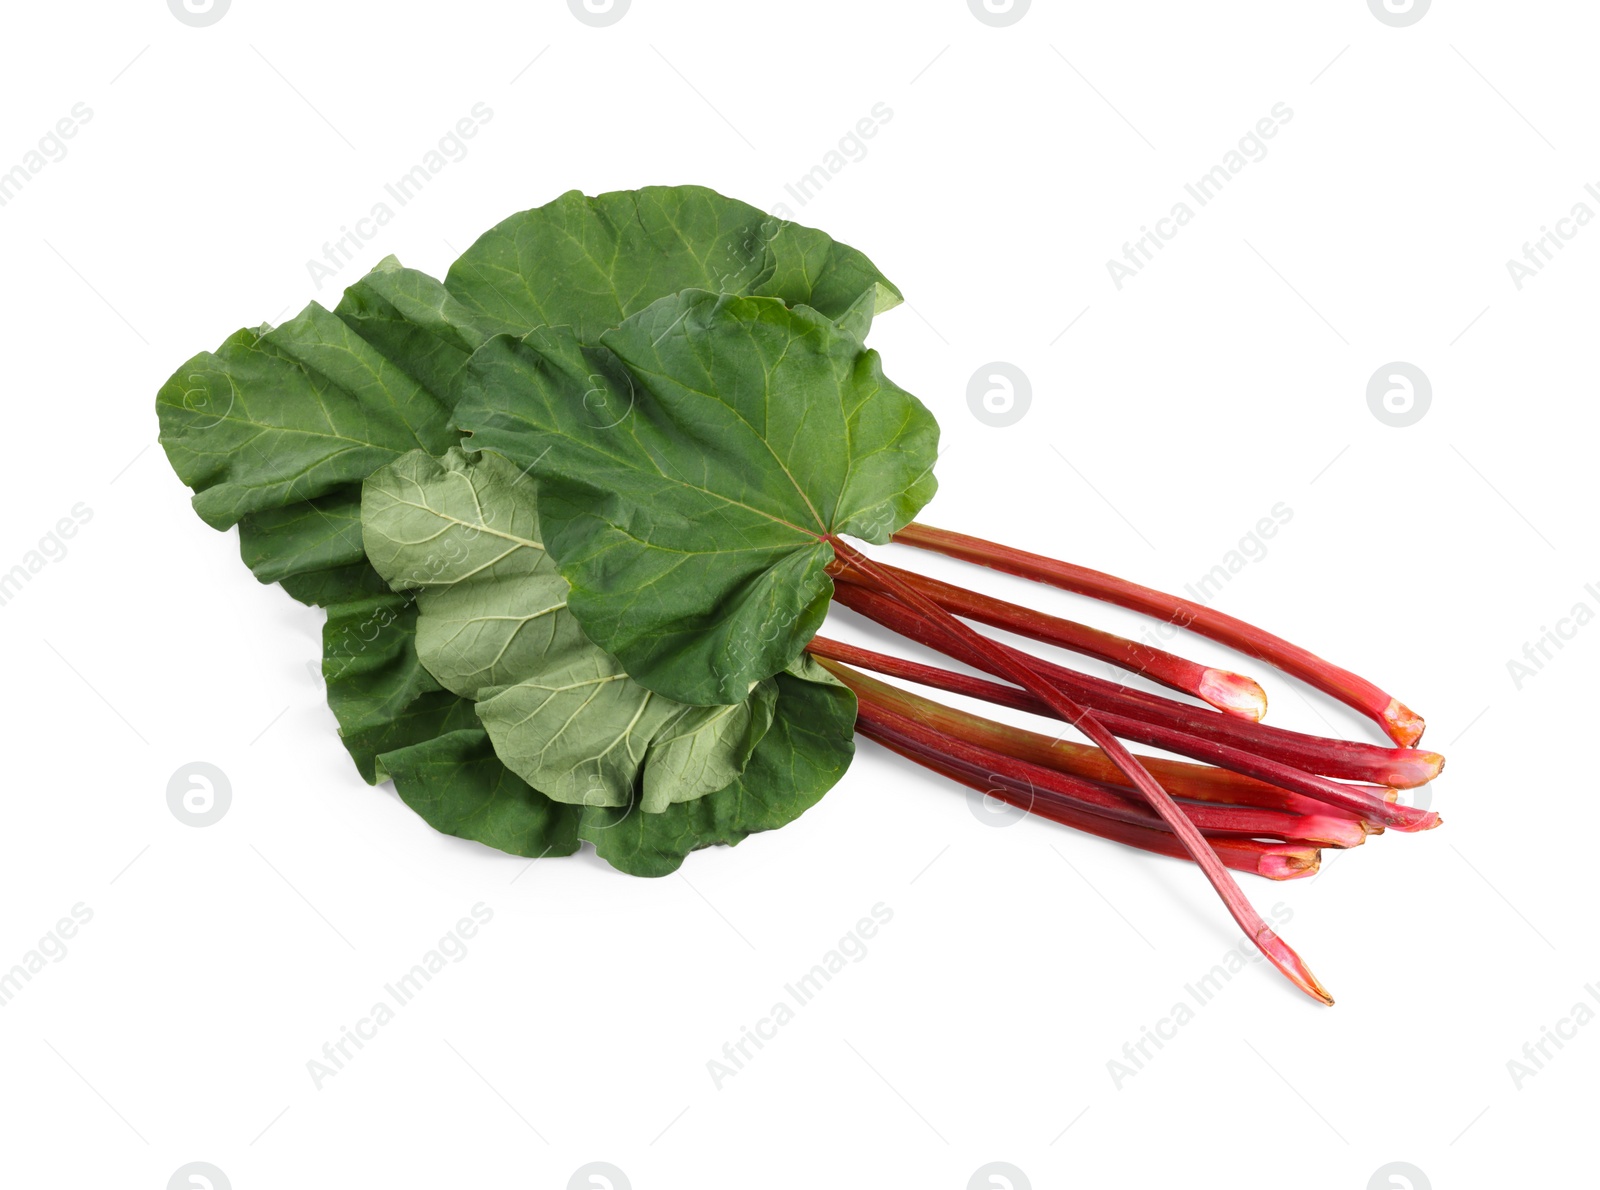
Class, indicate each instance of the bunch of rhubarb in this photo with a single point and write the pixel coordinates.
(578, 512)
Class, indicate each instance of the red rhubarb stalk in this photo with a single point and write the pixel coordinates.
(1402, 725)
(1401, 768)
(1005, 663)
(1276, 861)
(1197, 782)
(1092, 797)
(1230, 692)
(1373, 803)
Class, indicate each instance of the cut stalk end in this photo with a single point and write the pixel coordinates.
(1290, 865)
(1409, 768)
(1403, 724)
(1234, 693)
(1284, 958)
(1409, 820)
(1332, 831)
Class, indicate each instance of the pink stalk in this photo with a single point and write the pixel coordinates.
(1375, 804)
(1046, 784)
(1005, 663)
(1402, 725)
(1196, 782)
(1397, 767)
(1230, 692)
(1275, 861)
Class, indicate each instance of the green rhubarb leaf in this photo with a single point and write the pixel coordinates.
(807, 750)
(589, 263)
(291, 413)
(691, 469)
(457, 784)
(492, 625)
(378, 690)
(277, 429)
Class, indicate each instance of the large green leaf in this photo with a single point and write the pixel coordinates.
(589, 263)
(492, 625)
(378, 690)
(277, 429)
(807, 750)
(459, 786)
(286, 414)
(691, 469)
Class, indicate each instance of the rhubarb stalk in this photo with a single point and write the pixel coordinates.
(1401, 768)
(1402, 725)
(1230, 692)
(1003, 663)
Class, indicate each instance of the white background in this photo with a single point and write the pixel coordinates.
(1228, 376)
